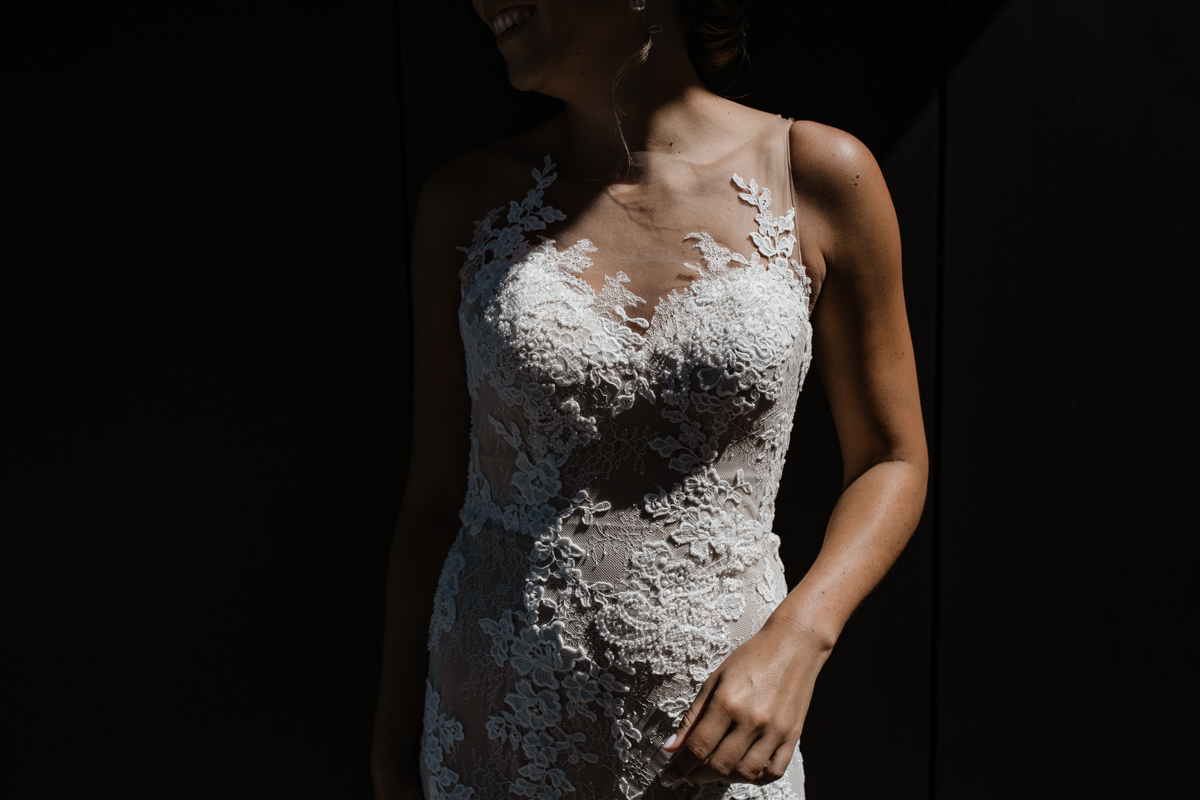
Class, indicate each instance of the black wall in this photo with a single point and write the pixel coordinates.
(1065, 542)
(207, 203)
(206, 247)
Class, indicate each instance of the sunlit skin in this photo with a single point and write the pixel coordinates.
(573, 49)
(749, 714)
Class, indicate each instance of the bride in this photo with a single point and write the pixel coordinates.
(613, 314)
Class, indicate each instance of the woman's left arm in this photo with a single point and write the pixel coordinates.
(748, 716)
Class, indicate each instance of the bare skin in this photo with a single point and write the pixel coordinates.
(749, 714)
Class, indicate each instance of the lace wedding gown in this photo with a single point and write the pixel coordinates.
(616, 543)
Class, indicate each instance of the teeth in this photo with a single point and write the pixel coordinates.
(508, 19)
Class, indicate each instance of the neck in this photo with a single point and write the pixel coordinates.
(658, 106)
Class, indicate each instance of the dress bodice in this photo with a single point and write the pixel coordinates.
(625, 456)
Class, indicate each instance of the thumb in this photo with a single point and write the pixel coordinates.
(676, 740)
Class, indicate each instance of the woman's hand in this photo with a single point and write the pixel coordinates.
(744, 724)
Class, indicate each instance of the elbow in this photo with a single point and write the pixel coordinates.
(909, 462)
(900, 481)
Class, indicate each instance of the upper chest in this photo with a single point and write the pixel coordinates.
(636, 284)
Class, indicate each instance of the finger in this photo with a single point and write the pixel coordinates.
(676, 740)
(729, 762)
(777, 764)
(753, 767)
(702, 737)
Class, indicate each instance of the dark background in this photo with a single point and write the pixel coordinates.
(205, 248)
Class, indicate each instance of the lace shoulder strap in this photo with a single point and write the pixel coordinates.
(495, 245)
(775, 238)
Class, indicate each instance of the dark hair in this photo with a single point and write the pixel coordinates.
(715, 31)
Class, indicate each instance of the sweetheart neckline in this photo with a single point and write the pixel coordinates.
(711, 270)
(774, 242)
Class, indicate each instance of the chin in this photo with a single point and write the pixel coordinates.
(524, 78)
(521, 81)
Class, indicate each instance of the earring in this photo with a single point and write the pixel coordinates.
(637, 5)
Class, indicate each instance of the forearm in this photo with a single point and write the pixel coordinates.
(423, 536)
(870, 525)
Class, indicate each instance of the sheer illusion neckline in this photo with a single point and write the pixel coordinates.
(618, 301)
(774, 242)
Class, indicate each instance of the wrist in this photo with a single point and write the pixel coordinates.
(802, 622)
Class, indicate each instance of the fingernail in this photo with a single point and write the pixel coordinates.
(665, 781)
(670, 741)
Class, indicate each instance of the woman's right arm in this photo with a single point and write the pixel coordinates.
(428, 519)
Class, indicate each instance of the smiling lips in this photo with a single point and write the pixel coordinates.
(510, 18)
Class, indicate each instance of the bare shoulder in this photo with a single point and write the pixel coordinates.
(456, 193)
(833, 168)
(464, 189)
(823, 147)
(450, 181)
(841, 190)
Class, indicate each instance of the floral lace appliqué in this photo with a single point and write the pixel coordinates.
(442, 734)
(585, 602)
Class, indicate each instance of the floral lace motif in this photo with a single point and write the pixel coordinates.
(584, 615)
(442, 734)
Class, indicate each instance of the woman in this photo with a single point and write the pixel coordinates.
(635, 320)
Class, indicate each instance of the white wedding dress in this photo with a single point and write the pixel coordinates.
(616, 543)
